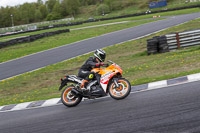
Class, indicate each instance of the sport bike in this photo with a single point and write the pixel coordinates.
(107, 81)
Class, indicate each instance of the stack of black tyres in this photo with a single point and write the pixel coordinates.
(157, 44)
(152, 46)
(163, 46)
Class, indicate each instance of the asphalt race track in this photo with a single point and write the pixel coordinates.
(173, 109)
(52, 56)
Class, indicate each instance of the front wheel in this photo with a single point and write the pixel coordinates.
(68, 99)
(122, 91)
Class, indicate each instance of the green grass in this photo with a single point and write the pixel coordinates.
(132, 10)
(131, 56)
(20, 50)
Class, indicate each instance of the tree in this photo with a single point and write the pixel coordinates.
(64, 6)
(110, 3)
(73, 7)
(57, 11)
(57, 8)
(38, 15)
(103, 9)
(88, 2)
(43, 11)
(40, 2)
(50, 5)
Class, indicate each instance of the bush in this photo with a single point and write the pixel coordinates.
(117, 5)
(103, 8)
(53, 16)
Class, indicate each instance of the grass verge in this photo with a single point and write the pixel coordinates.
(131, 56)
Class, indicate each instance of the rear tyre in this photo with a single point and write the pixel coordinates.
(68, 99)
(122, 92)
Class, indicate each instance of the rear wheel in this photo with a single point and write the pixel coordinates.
(68, 99)
(122, 91)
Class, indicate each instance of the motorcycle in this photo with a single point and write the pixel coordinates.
(107, 81)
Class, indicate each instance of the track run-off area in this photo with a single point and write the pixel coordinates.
(41, 59)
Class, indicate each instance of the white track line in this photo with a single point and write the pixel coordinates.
(194, 77)
(21, 106)
(51, 102)
(1, 107)
(157, 84)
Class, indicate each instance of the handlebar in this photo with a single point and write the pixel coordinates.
(105, 65)
(109, 61)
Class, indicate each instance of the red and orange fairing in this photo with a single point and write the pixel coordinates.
(108, 73)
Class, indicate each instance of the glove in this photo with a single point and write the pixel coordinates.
(102, 64)
(99, 64)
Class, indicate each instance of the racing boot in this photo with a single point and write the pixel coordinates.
(83, 86)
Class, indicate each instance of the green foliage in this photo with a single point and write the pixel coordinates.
(73, 7)
(103, 9)
(39, 2)
(50, 4)
(44, 11)
(38, 15)
(57, 9)
(89, 2)
(53, 16)
(119, 4)
(64, 6)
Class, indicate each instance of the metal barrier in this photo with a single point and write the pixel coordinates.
(183, 39)
(162, 44)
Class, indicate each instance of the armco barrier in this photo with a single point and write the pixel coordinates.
(43, 28)
(30, 38)
(102, 19)
(183, 39)
(162, 44)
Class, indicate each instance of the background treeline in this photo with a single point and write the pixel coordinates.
(58, 9)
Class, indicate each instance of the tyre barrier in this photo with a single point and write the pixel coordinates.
(31, 38)
(157, 44)
(102, 19)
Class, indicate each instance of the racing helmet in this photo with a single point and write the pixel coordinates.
(100, 54)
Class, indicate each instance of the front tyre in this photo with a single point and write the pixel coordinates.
(68, 99)
(122, 91)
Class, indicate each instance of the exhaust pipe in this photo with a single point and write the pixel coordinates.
(75, 92)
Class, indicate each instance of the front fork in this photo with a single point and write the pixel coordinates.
(115, 82)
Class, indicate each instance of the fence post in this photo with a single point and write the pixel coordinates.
(178, 41)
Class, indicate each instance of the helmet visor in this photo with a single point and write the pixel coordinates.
(103, 56)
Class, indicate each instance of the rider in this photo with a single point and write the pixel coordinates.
(92, 62)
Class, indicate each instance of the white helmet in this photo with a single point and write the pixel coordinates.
(100, 54)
